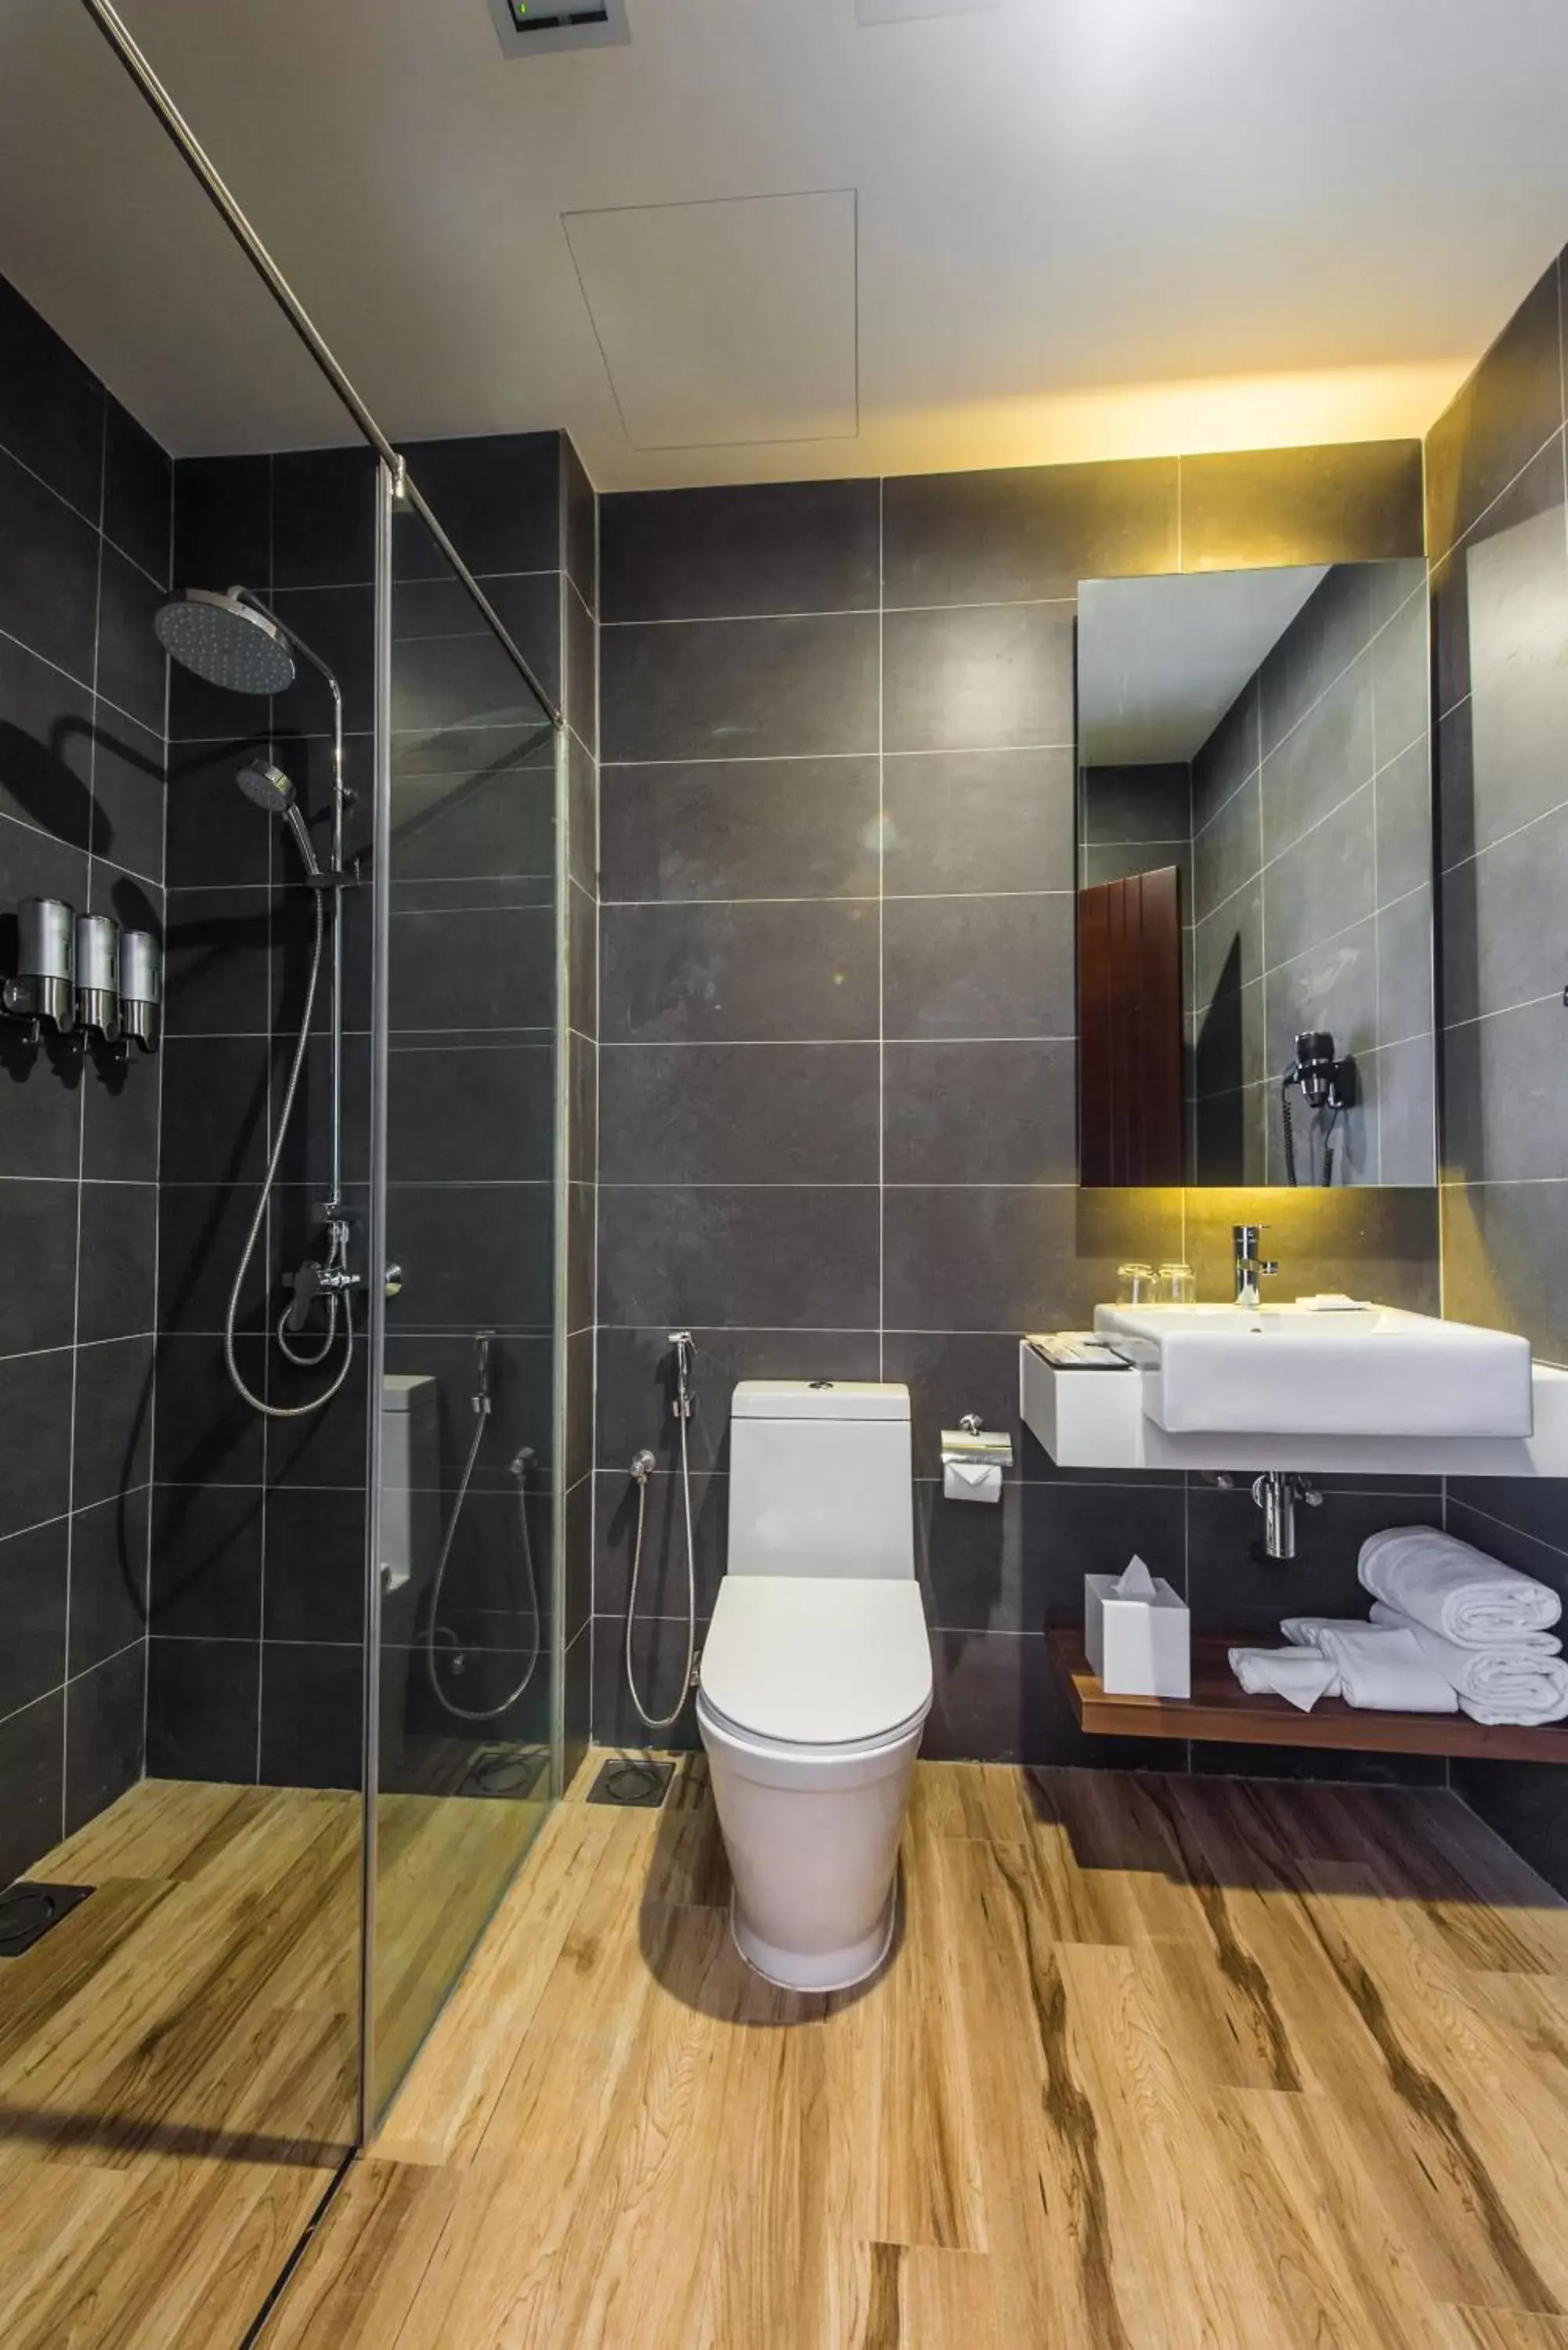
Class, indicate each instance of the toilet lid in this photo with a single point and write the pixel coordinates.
(817, 1660)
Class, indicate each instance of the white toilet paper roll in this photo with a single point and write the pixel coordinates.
(972, 1480)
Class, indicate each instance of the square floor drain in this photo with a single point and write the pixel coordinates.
(633, 1783)
(28, 1911)
(502, 1772)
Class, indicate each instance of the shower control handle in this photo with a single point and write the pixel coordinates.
(393, 1285)
(315, 1280)
(306, 1285)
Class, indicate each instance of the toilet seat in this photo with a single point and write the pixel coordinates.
(822, 1665)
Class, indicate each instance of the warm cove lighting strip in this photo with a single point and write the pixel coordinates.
(1195, 417)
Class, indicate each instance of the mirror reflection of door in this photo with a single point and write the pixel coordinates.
(1130, 1024)
(1255, 942)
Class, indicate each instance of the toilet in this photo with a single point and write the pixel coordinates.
(816, 1678)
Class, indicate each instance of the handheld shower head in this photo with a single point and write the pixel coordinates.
(226, 640)
(266, 786)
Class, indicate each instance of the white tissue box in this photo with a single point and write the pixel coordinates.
(1139, 1647)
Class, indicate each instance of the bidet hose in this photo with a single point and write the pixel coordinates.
(296, 1410)
(483, 1712)
(665, 1721)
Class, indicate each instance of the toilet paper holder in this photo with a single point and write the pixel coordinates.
(971, 1441)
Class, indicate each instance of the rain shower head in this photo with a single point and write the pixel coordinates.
(226, 640)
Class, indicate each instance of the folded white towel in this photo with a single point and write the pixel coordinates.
(1494, 1684)
(1384, 1672)
(1300, 1675)
(1454, 1590)
(1303, 1630)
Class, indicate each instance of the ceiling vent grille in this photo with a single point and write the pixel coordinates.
(531, 28)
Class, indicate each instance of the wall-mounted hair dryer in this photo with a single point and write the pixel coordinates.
(1326, 1082)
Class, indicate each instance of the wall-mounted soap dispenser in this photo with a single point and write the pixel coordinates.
(44, 990)
(81, 974)
(141, 989)
(98, 976)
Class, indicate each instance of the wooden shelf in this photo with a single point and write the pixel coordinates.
(1220, 1710)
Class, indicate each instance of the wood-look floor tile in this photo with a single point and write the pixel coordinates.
(972, 1799)
(1534, 2008)
(1044, 2165)
(443, 2113)
(362, 2270)
(946, 2300)
(1183, 2269)
(929, 2188)
(1418, 2146)
(1080, 1901)
(156, 1829)
(1502, 2329)
(1339, 2271)
(1158, 2064)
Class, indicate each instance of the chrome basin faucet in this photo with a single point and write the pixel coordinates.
(1248, 1265)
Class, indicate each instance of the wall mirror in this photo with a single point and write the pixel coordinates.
(1255, 878)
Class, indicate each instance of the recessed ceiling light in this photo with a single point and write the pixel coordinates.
(893, 12)
(530, 28)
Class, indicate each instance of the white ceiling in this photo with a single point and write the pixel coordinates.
(1161, 660)
(724, 322)
(1086, 227)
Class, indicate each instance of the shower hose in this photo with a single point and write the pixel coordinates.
(520, 1470)
(664, 1721)
(336, 1254)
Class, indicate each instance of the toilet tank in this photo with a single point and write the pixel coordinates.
(820, 1478)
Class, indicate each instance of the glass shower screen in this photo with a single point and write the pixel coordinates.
(466, 1746)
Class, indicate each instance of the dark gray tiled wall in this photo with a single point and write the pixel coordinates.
(258, 1530)
(476, 912)
(84, 561)
(1498, 538)
(260, 1549)
(837, 1027)
(1312, 896)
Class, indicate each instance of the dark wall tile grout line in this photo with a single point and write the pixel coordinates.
(868, 751)
(71, 507)
(1435, 562)
(756, 1043)
(81, 685)
(70, 1680)
(1475, 855)
(1501, 1011)
(1462, 1502)
(111, 864)
(845, 897)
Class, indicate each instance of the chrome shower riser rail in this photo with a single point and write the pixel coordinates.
(123, 42)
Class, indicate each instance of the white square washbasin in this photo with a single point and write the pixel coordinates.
(1296, 1370)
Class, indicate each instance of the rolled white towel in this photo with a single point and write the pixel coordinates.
(1494, 1684)
(1386, 1672)
(1299, 1675)
(1454, 1590)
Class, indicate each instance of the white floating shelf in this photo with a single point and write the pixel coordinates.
(1096, 1419)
